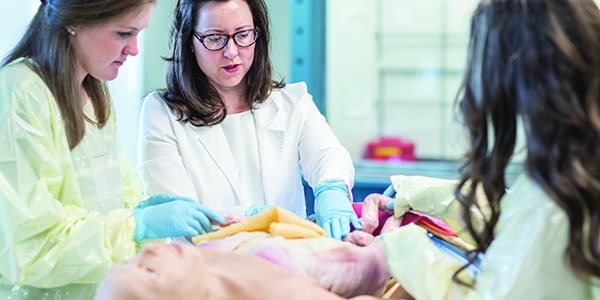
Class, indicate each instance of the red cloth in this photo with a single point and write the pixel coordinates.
(411, 216)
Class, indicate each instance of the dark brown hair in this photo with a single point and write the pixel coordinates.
(538, 60)
(46, 42)
(188, 90)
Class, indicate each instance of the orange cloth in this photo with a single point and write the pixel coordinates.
(275, 220)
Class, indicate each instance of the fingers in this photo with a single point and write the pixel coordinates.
(336, 230)
(390, 191)
(197, 220)
(390, 205)
(327, 227)
(212, 214)
(193, 229)
(344, 227)
(339, 227)
(356, 223)
(256, 209)
(204, 222)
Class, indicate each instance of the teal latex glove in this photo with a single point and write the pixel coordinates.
(162, 216)
(390, 192)
(255, 209)
(162, 198)
(334, 210)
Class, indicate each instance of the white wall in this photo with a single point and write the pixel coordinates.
(15, 17)
(126, 89)
(393, 68)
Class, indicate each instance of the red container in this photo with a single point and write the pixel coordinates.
(391, 148)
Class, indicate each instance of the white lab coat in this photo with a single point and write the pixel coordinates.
(293, 139)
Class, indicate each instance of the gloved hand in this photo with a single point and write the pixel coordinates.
(333, 209)
(163, 216)
(256, 209)
(390, 192)
(162, 198)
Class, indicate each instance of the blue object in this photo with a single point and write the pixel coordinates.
(333, 209)
(162, 198)
(362, 188)
(256, 209)
(390, 191)
(162, 216)
(459, 254)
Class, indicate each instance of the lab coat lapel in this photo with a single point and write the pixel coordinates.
(214, 142)
(270, 135)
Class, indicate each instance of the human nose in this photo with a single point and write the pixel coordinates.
(132, 47)
(231, 49)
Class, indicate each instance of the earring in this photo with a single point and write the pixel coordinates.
(71, 32)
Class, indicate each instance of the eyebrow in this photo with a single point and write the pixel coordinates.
(127, 27)
(132, 28)
(213, 31)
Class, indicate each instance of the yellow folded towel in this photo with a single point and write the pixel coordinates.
(275, 220)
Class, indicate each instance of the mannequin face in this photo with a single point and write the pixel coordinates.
(159, 271)
(266, 267)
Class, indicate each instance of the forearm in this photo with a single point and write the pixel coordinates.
(54, 245)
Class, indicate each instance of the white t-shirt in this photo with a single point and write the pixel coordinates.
(240, 132)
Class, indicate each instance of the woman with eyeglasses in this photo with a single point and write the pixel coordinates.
(225, 133)
(70, 202)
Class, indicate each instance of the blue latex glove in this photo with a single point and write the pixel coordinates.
(255, 209)
(162, 198)
(390, 192)
(333, 209)
(163, 216)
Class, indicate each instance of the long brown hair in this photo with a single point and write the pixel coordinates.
(188, 90)
(46, 42)
(540, 60)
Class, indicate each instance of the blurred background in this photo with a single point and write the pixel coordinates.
(384, 72)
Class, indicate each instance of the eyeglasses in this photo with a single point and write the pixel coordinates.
(218, 41)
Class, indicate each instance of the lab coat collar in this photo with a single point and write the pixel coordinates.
(270, 134)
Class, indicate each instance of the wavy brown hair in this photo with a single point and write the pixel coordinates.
(46, 42)
(188, 91)
(538, 60)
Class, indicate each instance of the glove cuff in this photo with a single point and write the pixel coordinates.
(330, 185)
(140, 227)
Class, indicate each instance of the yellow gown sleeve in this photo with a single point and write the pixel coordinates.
(435, 197)
(525, 261)
(420, 267)
(48, 238)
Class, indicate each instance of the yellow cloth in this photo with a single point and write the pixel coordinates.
(275, 220)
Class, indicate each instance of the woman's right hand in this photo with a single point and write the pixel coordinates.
(163, 215)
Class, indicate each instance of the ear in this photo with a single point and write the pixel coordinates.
(72, 30)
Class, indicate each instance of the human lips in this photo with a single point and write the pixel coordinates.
(119, 62)
(231, 68)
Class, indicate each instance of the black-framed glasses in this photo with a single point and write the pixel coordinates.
(217, 41)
